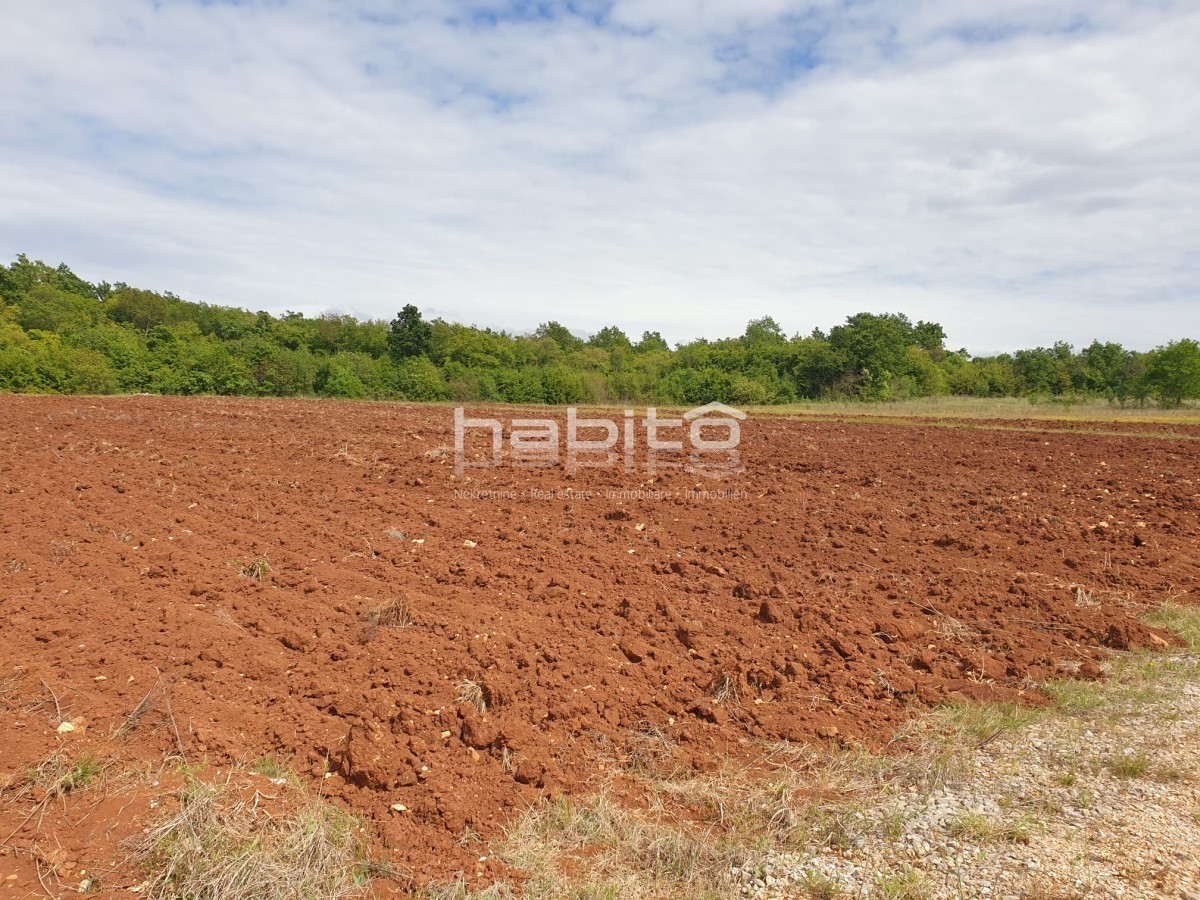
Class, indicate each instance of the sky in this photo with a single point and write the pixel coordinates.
(1022, 172)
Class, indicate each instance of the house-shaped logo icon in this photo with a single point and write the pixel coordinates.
(713, 407)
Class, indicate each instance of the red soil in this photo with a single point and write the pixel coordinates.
(868, 568)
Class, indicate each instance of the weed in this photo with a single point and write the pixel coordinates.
(1075, 697)
(81, 774)
(1172, 774)
(818, 887)
(256, 569)
(1066, 778)
(891, 823)
(904, 885)
(57, 775)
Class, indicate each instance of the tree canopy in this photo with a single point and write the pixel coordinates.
(58, 333)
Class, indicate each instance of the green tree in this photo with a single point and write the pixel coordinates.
(124, 348)
(816, 366)
(45, 307)
(610, 338)
(1173, 372)
(560, 335)
(650, 342)
(419, 379)
(142, 309)
(930, 337)
(763, 331)
(409, 335)
(875, 347)
(1104, 367)
(23, 275)
(341, 381)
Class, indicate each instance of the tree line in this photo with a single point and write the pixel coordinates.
(61, 334)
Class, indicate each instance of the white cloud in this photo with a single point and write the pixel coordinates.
(1021, 173)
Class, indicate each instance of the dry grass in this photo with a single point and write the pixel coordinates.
(56, 776)
(953, 629)
(159, 696)
(693, 830)
(618, 852)
(222, 845)
(473, 693)
(649, 752)
(726, 688)
(998, 408)
(10, 689)
(689, 831)
(393, 613)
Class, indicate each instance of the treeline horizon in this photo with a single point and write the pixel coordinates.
(62, 334)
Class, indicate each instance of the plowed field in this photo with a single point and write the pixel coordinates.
(312, 580)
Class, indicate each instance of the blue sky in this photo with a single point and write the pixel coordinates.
(1021, 172)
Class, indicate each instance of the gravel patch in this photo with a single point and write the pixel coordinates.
(1075, 805)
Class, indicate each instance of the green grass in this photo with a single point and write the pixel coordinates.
(986, 830)
(85, 770)
(273, 768)
(1183, 620)
(981, 721)
(1129, 765)
(903, 411)
(1078, 697)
